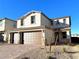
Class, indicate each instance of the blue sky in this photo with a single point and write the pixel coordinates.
(52, 8)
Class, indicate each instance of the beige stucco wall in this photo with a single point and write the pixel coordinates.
(45, 21)
(10, 25)
(49, 36)
(7, 25)
(27, 21)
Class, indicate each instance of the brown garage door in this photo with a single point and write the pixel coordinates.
(32, 37)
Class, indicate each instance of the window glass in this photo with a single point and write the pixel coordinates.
(32, 19)
(64, 34)
(21, 21)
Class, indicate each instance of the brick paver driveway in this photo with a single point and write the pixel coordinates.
(10, 51)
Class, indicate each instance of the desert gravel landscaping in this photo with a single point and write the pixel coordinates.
(36, 52)
(11, 51)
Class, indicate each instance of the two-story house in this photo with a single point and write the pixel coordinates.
(6, 25)
(36, 28)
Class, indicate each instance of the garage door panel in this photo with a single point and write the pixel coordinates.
(16, 38)
(32, 38)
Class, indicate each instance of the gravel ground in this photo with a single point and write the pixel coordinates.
(36, 52)
(57, 52)
(12, 51)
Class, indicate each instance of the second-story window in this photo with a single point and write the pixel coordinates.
(21, 21)
(32, 19)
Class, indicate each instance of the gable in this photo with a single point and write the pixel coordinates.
(40, 18)
(29, 13)
(28, 16)
(26, 20)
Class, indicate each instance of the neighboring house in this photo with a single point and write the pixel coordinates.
(36, 28)
(6, 25)
(75, 35)
(75, 38)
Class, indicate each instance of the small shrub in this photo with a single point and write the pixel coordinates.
(50, 57)
(25, 58)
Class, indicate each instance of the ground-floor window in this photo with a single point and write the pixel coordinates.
(64, 35)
